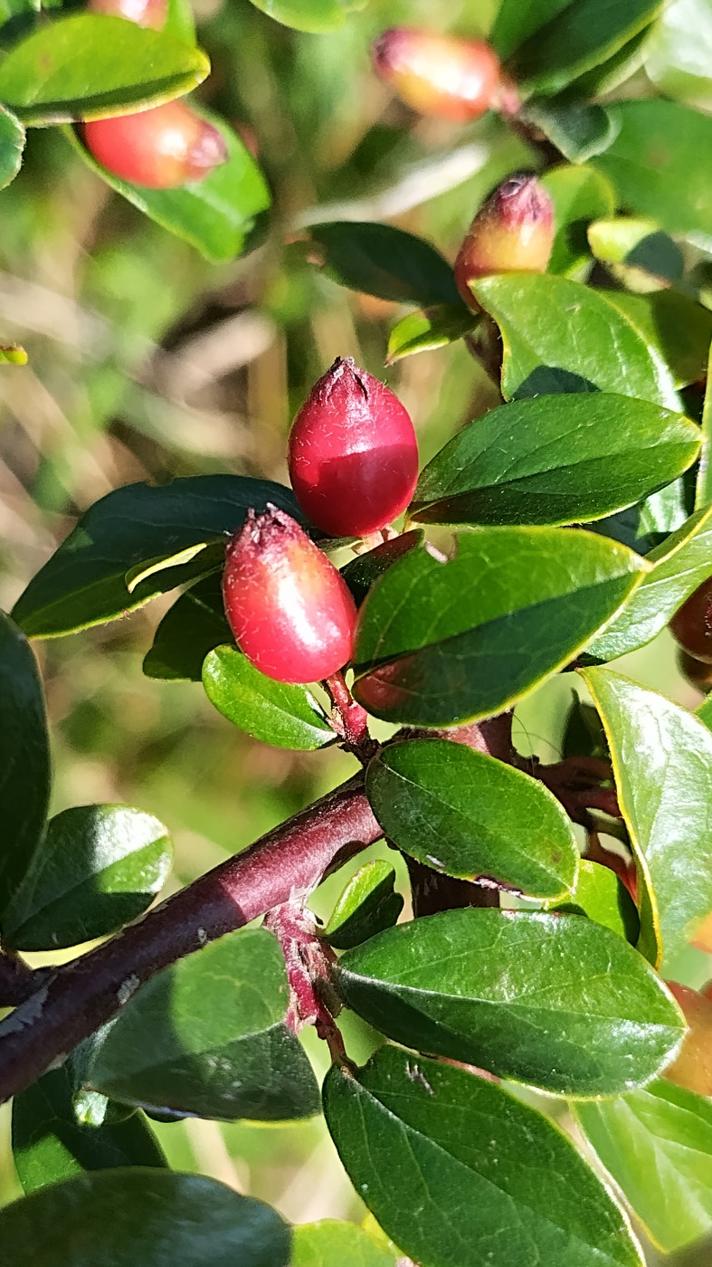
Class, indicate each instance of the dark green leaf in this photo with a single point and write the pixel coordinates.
(579, 194)
(555, 1001)
(12, 144)
(578, 131)
(661, 163)
(208, 1037)
(363, 571)
(675, 325)
(460, 1173)
(601, 896)
(662, 760)
(366, 906)
(332, 1244)
(24, 759)
(49, 1144)
(192, 627)
(386, 262)
(657, 1145)
(555, 460)
(279, 714)
(307, 15)
(88, 65)
(215, 214)
(100, 866)
(137, 542)
(679, 53)
(680, 565)
(584, 735)
(561, 336)
(466, 814)
(443, 640)
(124, 1217)
(429, 328)
(585, 34)
(518, 19)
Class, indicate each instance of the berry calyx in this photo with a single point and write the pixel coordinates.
(149, 13)
(289, 609)
(513, 232)
(353, 453)
(691, 626)
(160, 148)
(438, 74)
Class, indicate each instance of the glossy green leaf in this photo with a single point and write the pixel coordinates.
(662, 760)
(123, 1217)
(314, 16)
(363, 571)
(583, 35)
(468, 815)
(579, 194)
(208, 1037)
(88, 65)
(555, 460)
(703, 490)
(601, 896)
(429, 328)
(100, 867)
(329, 1243)
(657, 1145)
(50, 1145)
(555, 1001)
(460, 1173)
(216, 214)
(603, 79)
(675, 325)
(636, 252)
(24, 759)
(139, 541)
(680, 565)
(279, 714)
(383, 261)
(679, 53)
(661, 163)
(704, 712)
(367, 905)
(517, 20)
(579, 131)
(561, 336)
(443, 640)
(12, 145)
(192, 627)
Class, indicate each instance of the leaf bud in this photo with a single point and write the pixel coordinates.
(438, 74)
(512, 232)
(160, 148)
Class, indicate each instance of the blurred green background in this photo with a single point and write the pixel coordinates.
(148, 363)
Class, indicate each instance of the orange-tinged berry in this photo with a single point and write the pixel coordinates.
(693, 1067)
(513, 232)
(161, 148)
(438, 74)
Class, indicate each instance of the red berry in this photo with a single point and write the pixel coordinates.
(692, 624)
(160, 148)
(438, 74)
(514, 231)
(353, 453)
(288, 607)
(151, 13)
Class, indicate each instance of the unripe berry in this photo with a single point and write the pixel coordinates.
(150, 13)
(692, 624)
(291, 612)
(160, 148)
(438, 74)
(353, 453)
(513, 232)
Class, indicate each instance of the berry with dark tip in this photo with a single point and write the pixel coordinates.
(161, 148)
(513, 232)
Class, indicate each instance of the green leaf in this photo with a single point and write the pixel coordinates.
(139, 1215)
(555, 460)
(380, 260)
(578, 131)
(366, 906)
(661, 163)
(137, 542)
(680, 565)
(314, 16)
(207, 1036)
(517, 20)
(579, 194)
(704, 712)
(215, 214)
(585, 34)
(662, 761)
(363, 571)
(100, 866)
(192, 627)
(88, 66)
(329, 1243)
(278, 714)
(468, 815)
(555, 1001)
(460, 1173)
(657, 1145)
(50, 1145)
(561, 336)
(429, 328)
(442, 640)
(703, 491)
(679, 53)
(637, 252)
(12, 145)
(24, 759)
(601, 896)
(677, 327)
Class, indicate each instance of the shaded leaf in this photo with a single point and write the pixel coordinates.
(579, 194)
(389, 263)
(429, 328)
(636, 252)
(579, 131)
(192, 627)
(601, 897)
(363, 571)
(703, 490)
(12, 145)
(516, 22)
(277, 713)
(676, 326)
(581, 36)
(327, 1243)
(367, 905)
